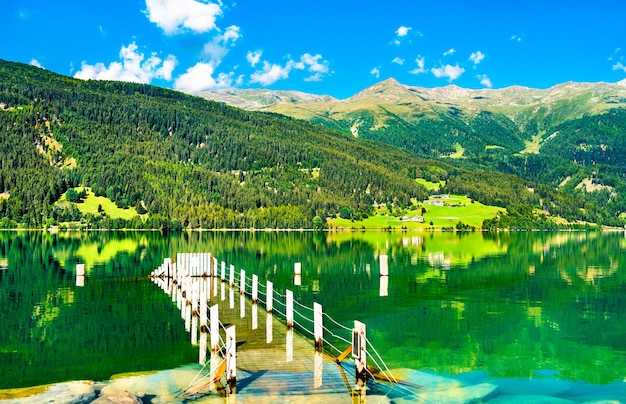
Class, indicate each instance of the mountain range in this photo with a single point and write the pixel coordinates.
(571, 136)
(183, 161)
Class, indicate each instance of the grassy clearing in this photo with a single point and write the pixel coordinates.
(91, 203)
(431, 186)
(458, 208)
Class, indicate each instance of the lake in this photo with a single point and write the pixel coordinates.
(529, 310)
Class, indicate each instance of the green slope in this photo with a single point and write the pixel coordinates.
(195, 163)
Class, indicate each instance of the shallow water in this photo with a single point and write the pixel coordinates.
(536, 314)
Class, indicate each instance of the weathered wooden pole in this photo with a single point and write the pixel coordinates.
(289, 319)
(215, 340)
(384, 276)
(318, 336)
(255, 298)
(204, 329)
(195, 299)
(269, 307)
(297, 271)
(359, 351)
(231, 360)
(80, 275)
(242, 294)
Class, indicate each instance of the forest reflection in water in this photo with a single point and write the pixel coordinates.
(508, 304)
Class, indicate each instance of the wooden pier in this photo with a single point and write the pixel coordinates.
(272, 362)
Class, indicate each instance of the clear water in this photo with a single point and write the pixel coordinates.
(535, 314)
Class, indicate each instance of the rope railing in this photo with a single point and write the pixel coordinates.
(282, 304)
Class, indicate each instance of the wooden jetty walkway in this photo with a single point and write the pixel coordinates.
(269, 361)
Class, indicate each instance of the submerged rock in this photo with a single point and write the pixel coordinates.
(118, 398)
(78, 392)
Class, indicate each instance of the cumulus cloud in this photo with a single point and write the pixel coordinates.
(272, 72)
(220, 44)
(484, 80)
(315, 65)
(254, 57)
(200, 78)
(515, 38)
(35, 62)
(477, 57)
(449, 52)
(176, 16)
(375, 72)
(403, 31)
(133, 67)
(398, 61)
(619, 66)
(420, 65)
(449, 71)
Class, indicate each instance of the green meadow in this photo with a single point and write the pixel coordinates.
(457, 208)
(93, 203)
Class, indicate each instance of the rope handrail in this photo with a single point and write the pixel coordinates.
(340, 338)
(386, 369)
(245, 285)
(336, 323)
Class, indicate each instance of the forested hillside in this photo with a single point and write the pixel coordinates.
(183, 161)
(571, 136)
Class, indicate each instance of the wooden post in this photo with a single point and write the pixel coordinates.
(318, 336)
(215, 340)
(223, 274)
(231, 360)
(242, 294)
(269, 303)
(204, 329)
(255, 298)
(195, 298)
(318, 327)
(289, 319)
(289, 308)
(80, 275)
(297, 270)
(359, 351)
(231, 279)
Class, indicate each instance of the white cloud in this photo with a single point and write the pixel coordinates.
(375, 72)
(420, 66)
(619, 66)
(271, 72)
(254, 57)
(176, 16)
(315, 65)
(515, 38)
(484, 80)
(403, 31)
(398, 61)
(477, 57)
(200, 78)
(35, 62)
(218, 47)
(449, 52)
(449, 71)
(133, 67)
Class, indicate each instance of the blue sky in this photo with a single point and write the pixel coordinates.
(323, 47)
